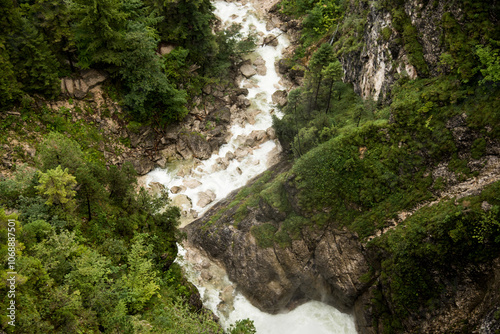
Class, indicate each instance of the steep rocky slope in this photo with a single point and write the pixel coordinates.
(428, 268)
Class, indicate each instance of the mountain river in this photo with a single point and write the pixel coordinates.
(217, 292)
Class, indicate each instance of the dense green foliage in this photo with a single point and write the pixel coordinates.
(43, 40)
(322, 107)
(93, 255)
(426, 258)
(320, 17)
(357, 164)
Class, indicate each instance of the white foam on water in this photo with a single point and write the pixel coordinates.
(311, 317)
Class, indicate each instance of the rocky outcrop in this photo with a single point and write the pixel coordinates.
(320, 265)
(280, 98)
(373, 68)
(78, 87)
(378, 57)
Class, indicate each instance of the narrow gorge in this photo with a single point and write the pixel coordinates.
(250, 166)
(251, 148)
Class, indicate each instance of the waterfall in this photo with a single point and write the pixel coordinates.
(311, 317)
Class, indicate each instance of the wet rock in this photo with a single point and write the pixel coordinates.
(248, 70)
(169, 153)
(161, 162)
(274, 156)
(279, 98)
(241, 153)
(216, 143)
(243, 102)
(271, 133)
(270, 25)
(183, 202)
(205, 198)
(206, 276)
(249, 142)
(271, 40)
(177, 189)
(226, 295)
(260, 65)
(193, 145)
(191, 183)
(241, 91)
(155, 188)
(259, 136)
(221, 164)
(183, 149)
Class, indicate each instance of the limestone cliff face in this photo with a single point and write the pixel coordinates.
(382, 55)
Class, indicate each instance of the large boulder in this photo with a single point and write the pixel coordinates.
(260, 65)
(279, 98)
(248, 70)
(183, 202)
(141, 164)
(193, 145)
(205, 198)
(271, 40)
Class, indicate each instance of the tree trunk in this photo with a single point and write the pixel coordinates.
(88, 208)
(329, 97)
(317, 91)
(298, 130)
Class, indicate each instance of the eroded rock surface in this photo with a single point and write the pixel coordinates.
(321, 265)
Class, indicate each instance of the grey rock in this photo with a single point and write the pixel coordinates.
(205, 198)
(279, 98)
(248, 70)
(271, 40)
(193, 145)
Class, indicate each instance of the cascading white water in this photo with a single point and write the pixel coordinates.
(311, 317)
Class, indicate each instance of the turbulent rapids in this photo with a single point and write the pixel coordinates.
(204, 179)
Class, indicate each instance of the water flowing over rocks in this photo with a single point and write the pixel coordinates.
(322, 265)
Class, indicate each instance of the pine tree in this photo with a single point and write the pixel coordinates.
(334, 73)
(57, 186)
(321, 58)
(99, 31)
(52, 18)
